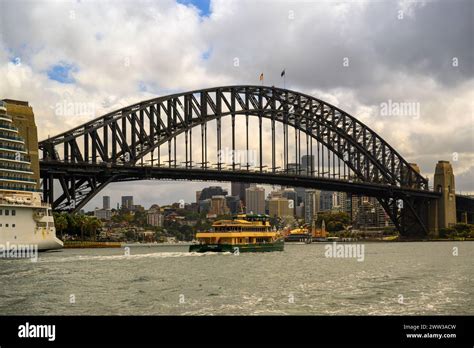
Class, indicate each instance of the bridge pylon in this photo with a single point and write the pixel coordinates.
(443, 210)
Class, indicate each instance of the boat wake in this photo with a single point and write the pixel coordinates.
(158, 255)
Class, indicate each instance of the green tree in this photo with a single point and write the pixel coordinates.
(140, 218)
(334, 221)
(61, 223)
(130, 235)
(92, 224)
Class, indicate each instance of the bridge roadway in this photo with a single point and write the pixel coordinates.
(125, 172)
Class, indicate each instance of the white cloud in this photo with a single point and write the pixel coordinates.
(133, 51)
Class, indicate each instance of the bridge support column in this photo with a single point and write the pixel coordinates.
(433, 226)
(444, 183)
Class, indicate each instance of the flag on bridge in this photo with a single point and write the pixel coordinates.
(282, 73)
(261, 77)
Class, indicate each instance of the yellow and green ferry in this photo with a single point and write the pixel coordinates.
(244, 233)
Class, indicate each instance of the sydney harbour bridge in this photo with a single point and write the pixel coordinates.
(183, 136)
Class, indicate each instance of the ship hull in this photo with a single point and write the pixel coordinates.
(22, 230)
(298, 238)
(234, 248)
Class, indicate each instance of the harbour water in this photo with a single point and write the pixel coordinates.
(393, 278)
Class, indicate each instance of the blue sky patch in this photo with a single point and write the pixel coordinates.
(205, 55)
(142, 87)
(204, 6)
(61, 72)
(16, 60)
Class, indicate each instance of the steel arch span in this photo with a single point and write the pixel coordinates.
(341, 153)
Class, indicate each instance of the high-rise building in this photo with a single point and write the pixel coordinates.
(340, 202)
(326, 200)
(106, 202)
(299, 211)
(127, 202)
(290, 194)
(238, 189)
(367, 212)
(255, 198)
(280, 207)
(233, 202)
(311, 205)
(299, 195)
(198, 196)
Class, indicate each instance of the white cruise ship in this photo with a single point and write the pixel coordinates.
(24, 218)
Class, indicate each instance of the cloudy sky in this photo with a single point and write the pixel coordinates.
(358, 55)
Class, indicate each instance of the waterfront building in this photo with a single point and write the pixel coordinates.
(367, 212)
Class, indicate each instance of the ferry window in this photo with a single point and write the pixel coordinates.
(7, 212)
(6, 225)
(1, 211)
(13, 225)
(49, 212)
(0, 225)
(13, 212)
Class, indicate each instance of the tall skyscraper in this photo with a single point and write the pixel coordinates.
(311, 205)
(238, 189)
(127, 202)
(255, 198)
(106, 202)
